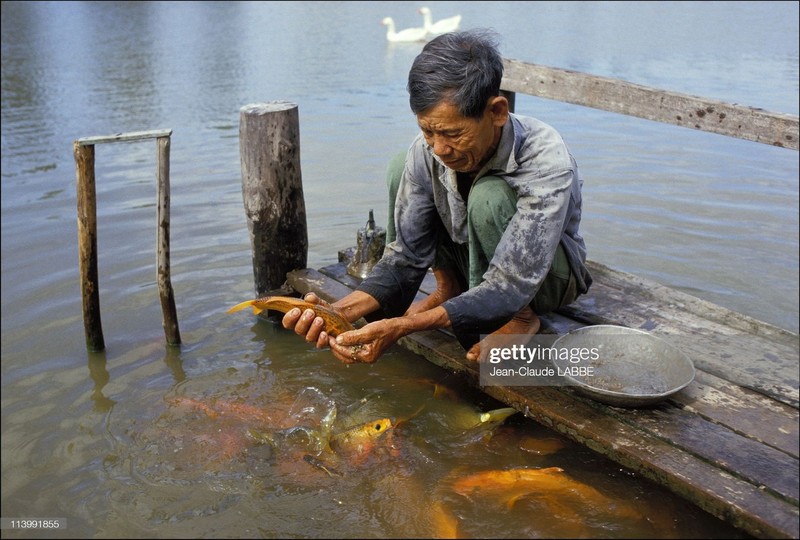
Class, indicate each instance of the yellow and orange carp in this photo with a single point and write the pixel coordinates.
(511, 484)
(360, 439)
(551, 485)
(335, 324)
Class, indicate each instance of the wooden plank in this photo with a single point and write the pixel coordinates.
(746, 458)
(614, 95)
(730, 345)
(742, 410)
(124, 137)
(722, 471)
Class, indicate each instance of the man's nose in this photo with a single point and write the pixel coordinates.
(440, 147)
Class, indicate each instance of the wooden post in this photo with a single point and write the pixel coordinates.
(272, 188)
(87, 245)
(170, 317)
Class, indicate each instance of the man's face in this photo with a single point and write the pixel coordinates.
(463, 144)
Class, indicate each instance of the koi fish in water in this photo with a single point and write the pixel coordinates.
(511, 484)
(335, 324)
(552, 485)
(361, 438)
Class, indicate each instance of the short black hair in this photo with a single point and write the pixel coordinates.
(464, 68)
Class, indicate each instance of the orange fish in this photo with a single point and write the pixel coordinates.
(511, 484)
(541, 447)
(551, 485)
(335, 324)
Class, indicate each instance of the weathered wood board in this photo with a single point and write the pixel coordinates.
(631, 99)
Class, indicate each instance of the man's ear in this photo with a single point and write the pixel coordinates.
(498, 108)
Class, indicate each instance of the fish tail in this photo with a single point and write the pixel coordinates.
(445, 524)
(246, 304)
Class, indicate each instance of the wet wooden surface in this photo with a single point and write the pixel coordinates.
(728, 442)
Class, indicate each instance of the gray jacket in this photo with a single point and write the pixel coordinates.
(536, 163)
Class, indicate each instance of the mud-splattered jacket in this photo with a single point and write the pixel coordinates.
(536, 163)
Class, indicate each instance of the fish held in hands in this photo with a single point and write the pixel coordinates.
(335, 324)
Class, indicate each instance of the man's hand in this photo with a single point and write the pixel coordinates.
(367, 344)
(307, 324)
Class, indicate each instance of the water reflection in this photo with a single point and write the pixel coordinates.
(172, 358)
(100, 377)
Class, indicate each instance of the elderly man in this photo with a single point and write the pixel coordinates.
(489, 199)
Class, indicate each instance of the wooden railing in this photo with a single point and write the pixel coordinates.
(614, 95)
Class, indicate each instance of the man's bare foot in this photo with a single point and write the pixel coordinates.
(525, 322)
(447, 287)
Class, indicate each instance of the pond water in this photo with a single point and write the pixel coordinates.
(148, 440)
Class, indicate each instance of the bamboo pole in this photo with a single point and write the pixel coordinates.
(87, 245)
(272, 189)
(170, 316)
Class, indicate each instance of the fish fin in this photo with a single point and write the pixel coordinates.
(441, 391)
(400, 421)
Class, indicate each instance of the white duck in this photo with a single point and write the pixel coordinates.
(409, 34)
(450, 24)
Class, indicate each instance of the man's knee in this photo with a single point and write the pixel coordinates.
(394, 172)
(491, 202)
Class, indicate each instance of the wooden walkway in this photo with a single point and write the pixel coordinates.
(728, 442)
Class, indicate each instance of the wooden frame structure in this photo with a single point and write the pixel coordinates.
(83, 150)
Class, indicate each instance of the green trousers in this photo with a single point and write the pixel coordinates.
(490, 207)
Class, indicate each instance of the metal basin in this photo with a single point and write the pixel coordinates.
(623, 366)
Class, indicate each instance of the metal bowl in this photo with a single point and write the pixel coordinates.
(621, 366)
